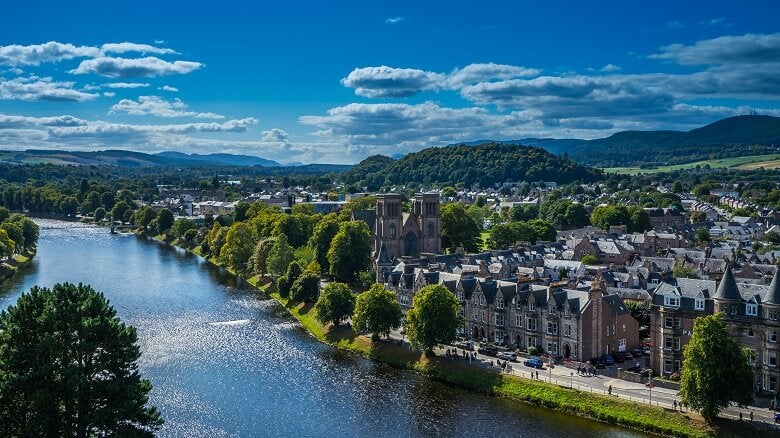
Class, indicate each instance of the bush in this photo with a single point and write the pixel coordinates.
(533, 351)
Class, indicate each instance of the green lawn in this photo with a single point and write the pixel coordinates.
(714, 164)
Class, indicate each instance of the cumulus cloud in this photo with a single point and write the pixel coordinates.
(168, 88)
(157, 106)
(126, 85)
(384, 81)
(134, 47)
(96, 129)
(743, 49)
(276, 135)
(36, 54)
(609, 68)
(35, 88)
(14, 122)
(134, 67)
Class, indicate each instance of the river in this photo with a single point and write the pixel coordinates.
(225, 363)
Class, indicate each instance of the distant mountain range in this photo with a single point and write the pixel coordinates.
(731, 137)
(130, 159)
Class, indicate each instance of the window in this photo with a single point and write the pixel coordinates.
(751, 309)
(531, 324)
(551, 310)
(772, 383)
(531, 341)
(773, 335)
(552, 348)
(676, 344)
(499, 317)
(668, 322)
(677, 365)
(518, 321)
(567, 330)
(667, 343)
(519, 306)
(531, 306)
(566, 311)
(624, 328)
(481, 299)
(668, 366)
(752, 357)
(482, 315)
(476, 314)
(750, 333)
(392, 231)
(699, 304)
(404, 300)
(622, 344)
(499, 303)
(733, 310)
(677, 323)
(552, 328)
(671, 301)
(772, 359)
(773, 315)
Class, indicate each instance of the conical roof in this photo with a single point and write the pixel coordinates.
(773, 294)
(383, 258)
(727, 289)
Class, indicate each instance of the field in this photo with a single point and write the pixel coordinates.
(751, 162)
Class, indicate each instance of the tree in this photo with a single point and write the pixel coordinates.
(336, 303)
(321, 238)
(377, 311)
(260, 256)
(350, 250)
(240, 211)
(279, 256)
(544, 230)
(589, 259)
(716, 370)
(698, 216)
(639, 220)
(501, 236)
(14, 233)
(239, 244)
(434, 317)
(100, 214)
(7, 246)
(69, 368)
(677, 187)
(605, 216)
(165, 220)
(458, 228)
(306, 287)
(143, 217)
(118, 212)
(702, 235)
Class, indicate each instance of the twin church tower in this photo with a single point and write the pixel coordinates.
(407, 234)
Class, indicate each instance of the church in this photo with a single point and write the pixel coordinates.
(407, 234)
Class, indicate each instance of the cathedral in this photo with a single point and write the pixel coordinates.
(407, 234)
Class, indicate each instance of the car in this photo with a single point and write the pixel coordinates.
(628, 356)
(598, 362)
(609, 360)
(619, 357)
(507, 355)
(534, 362)
(635, 368)
(637, 352)
(464, 345)
(487, 350)
(777, 417)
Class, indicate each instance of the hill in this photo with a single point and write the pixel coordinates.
(129, 159)
(485, 165)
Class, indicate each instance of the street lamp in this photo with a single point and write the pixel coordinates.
(571, 382)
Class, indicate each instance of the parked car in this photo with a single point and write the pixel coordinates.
(534, 362)
(598, 362)
(635, 368)
(619, 357)
(609, 360)
(487, 350)
(637, 352)
(646, 351)
(628, 355)
(508, 355)
(464, 345)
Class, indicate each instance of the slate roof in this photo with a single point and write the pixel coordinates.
(727, 289)
(773, 293)
(367, 216)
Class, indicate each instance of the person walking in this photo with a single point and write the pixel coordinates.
(609, 390)
(751, 415)
(674, 404)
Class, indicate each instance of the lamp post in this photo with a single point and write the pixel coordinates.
(571, 382)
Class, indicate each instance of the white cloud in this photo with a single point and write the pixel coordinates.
(168, 88)
(394, 20)
(126, 85)
(742, 49)
(13, 122)
(96, 129)
(474, 73)
(134, 67)
(609, 68)
(134, 47)
(384, 81)
(276, 135)
(35, 88)
(36, 54)
(109, 93)
(157, 106)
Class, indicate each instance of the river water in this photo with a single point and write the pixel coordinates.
(227, 363)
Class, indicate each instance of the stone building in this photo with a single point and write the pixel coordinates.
(751, 311)
(407, 234)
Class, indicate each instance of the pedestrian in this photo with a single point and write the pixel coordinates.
(610, 390)
(579, 369)
(537, 375)
(674, 404)
(751, 415)
(740, 416)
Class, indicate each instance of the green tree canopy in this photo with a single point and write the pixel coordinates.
(434, 318)
(350, 250)
(321, 238)
(69, 368)
(181, 226)
(716, 370)
(458, 228)
(335, 304)
(7, 246)
(239, 245)
(377, 311)
(306, 287)
(544, 230)
(165, 220)
(260, 255)
(119, 210)
(279, 256)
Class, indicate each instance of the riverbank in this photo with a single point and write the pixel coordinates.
(605, 409)
(16, 263)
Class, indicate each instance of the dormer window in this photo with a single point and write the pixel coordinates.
(699, 304)
(671, 301)
(531, 306)
(551, 310)
(566, 311)
(751, 309)
(499, 303)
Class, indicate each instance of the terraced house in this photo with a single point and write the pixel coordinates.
(751, 311)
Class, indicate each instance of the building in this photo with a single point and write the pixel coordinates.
(407, 234)
(751, 311)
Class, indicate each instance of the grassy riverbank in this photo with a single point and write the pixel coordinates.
(16, 263)
(571, 401)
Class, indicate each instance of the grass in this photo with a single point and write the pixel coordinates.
(484, 236)
(743, 163)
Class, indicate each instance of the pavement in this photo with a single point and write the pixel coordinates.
(566, 375)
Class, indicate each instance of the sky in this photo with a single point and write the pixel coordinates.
(335, 82)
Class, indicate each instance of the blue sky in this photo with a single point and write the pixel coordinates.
(337, 81)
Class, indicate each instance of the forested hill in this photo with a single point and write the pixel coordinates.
(731, 137)
(485, 165)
